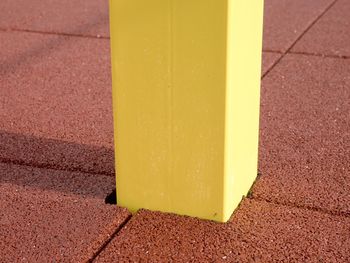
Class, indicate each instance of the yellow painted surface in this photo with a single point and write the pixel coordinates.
(186, 77)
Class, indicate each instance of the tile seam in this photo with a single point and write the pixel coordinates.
(109, 240)
(319, 55)
(300, 36)
(272, 51)
(302, 207)
(53, 33)
(50, 167)
(305, 53)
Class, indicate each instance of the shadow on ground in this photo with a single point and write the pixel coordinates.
(65, 167)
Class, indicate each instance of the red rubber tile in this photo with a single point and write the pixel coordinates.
(258, 232)
(56, 99)
(268, 59)
(82, 184)
(55, 154)
(286, 20)
(45, 224)
(55, 102)
(304, 139)
(331, 34)
(82, 17)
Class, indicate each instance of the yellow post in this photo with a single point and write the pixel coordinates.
(186, 84)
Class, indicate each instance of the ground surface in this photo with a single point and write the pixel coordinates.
(56, 144)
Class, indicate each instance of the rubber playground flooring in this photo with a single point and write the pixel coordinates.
(57, 156)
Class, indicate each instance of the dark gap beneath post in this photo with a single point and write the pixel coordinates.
(111, 199)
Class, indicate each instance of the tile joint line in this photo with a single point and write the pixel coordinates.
(319, 55)
(52, 167)
(52, 33)
(303, 207)
(300, 36)
(106, 243)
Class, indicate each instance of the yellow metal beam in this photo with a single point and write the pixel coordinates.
(186, 84)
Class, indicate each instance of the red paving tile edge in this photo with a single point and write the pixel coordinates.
(257, 232)
(331, 34)
(104, 239)
(299, 37)
(307, 53)
(42, 226)
(52, 33)
(60, 182)
(313, 23)
(300, 206)
(268, 68)
(286, 203)
(318, 55)
(82, 17)
(47, 214)
(268, 61)
(102, 252)
(55, 154)
(132, 219)
(61, 117)
(110, 238)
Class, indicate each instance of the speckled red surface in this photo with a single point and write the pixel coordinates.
(286, 20)
(268, 60)
(59, 221)
(258, 232)
(304, 142)
(56, 145)
(330, 35)
(64, 112)
(55, 102)
(81, 17)
(63, 182)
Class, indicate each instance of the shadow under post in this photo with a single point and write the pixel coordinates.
(56, 165)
